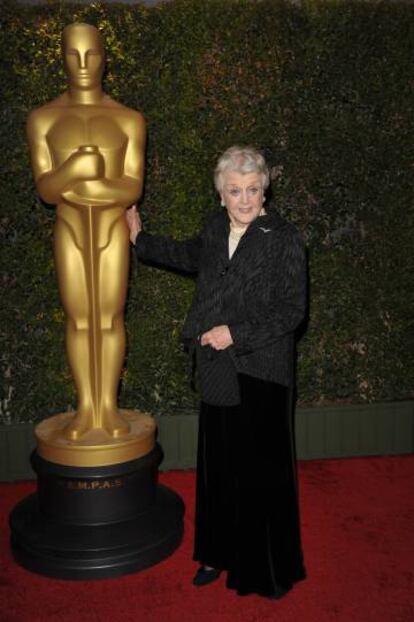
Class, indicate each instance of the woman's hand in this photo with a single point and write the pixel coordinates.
(134, 223)
(219, 338)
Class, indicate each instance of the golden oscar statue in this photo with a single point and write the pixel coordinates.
(87, 155)
(98, 511)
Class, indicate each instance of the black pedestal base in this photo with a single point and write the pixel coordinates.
(89, 546)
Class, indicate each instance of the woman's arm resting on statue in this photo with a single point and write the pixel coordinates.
(179, 255)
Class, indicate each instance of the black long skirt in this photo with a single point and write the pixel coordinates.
(247, 515)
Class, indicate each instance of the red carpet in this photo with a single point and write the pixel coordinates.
(358, 532)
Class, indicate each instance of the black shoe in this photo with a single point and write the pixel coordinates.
(280, 592)
(204, 576)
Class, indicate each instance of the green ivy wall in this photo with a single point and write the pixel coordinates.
(325, 89)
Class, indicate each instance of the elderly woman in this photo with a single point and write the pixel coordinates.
(249, 299)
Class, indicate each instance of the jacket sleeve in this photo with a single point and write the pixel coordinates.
(163, 251)
(287, 305)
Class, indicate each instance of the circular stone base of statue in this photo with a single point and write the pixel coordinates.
(96, 447)
(94, 523)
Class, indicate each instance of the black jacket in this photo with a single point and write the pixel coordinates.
(260, 294)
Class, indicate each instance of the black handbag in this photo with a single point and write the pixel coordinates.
(217, 375)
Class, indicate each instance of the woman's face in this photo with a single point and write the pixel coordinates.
(242, 194)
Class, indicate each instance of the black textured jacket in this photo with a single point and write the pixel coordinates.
(260, 293)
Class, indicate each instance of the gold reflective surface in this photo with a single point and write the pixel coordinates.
(96, 448)
(87, 154)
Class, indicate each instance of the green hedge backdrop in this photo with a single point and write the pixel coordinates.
(324, 88)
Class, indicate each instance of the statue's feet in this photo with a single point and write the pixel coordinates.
(78, 427)
(114, 424)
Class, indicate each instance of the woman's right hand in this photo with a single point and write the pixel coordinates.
(134, 223)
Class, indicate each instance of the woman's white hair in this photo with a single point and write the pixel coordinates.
(241, 160)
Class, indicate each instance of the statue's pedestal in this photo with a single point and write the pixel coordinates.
(96, 521)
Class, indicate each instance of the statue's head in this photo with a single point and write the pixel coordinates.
(83, 55)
